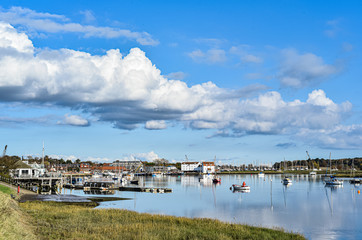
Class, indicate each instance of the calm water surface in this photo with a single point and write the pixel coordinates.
(307, 206)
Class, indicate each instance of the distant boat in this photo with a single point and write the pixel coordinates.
(216, 179)
(333, 182)
(355, 181)
(242, 187)
(261, 174)
(287, 181)
(313, 173)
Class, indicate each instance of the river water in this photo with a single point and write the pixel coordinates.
(306, 206)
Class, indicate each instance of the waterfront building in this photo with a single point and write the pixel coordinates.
(208, 167)
(22, 169)
(190, 167)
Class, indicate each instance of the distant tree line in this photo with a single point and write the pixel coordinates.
(340, 164)
(9, 162)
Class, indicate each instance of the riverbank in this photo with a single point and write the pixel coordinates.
(81, 221)
(54, 220)
(14, 222)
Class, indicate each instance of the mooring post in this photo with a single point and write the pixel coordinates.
(50, 185)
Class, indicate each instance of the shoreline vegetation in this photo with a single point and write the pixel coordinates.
(54, 220)
(345, 174)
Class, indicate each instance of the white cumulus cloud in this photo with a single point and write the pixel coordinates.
(74, 120)
(130, 91)
(155, 125)
(149, 156)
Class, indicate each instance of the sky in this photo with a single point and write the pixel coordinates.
(237, 82)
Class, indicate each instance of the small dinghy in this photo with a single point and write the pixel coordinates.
(242, 187)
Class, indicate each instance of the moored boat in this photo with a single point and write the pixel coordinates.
(242, 187)
(355, 181)
(99, 184)
(287, 181)
(216, 179)
(333, 181)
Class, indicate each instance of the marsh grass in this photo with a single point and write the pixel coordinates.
(81, 221)
(14, 224)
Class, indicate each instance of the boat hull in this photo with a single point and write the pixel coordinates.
(241, 188)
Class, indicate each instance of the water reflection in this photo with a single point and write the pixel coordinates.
(307, 206)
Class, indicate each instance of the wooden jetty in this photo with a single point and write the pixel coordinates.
(40, 185)
(146, 189)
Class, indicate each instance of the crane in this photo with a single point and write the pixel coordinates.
(308, 155)
(186, 158)
(308, 160)
(141, 163)
(4, 152)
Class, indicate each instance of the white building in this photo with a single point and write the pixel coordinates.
(208, 167)
(190, 167)
(25, 170)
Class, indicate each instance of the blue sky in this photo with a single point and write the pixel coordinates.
(245, 81)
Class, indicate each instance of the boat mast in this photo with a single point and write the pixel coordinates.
(330, 163)
(42, 161)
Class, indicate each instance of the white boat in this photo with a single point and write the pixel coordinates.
(313, 173)
(242, 187)
(261, 174)
(334, 182)
(287, 181)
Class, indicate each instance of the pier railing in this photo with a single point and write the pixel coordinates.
(7, 179)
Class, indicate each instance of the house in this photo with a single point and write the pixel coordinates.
(190, 167)
(108, 167)
(24, 170)
(208, 167)
(172, 168)
(84, 167)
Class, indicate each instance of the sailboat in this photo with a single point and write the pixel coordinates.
(354, 180)
(286, 180)
(333, 181)
(312, 173)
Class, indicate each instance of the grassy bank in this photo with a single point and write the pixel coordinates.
(81, 221)
(14, 223)
(6, 190)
